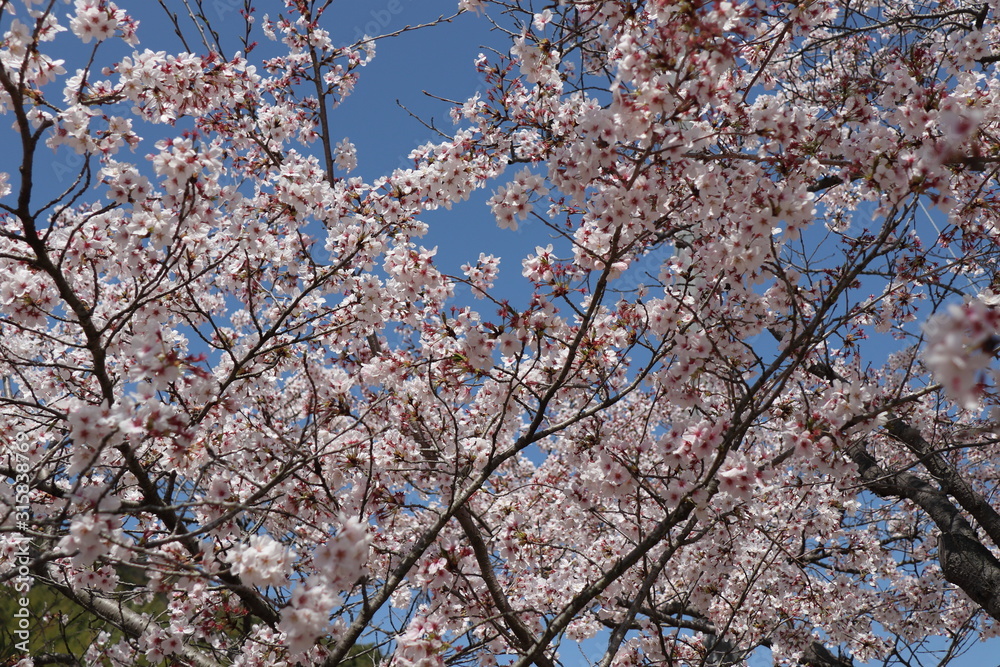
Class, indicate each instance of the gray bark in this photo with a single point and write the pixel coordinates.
(965, 560)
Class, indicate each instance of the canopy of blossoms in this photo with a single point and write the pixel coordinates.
(746, 398)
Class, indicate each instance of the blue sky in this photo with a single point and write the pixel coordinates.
(438, 60)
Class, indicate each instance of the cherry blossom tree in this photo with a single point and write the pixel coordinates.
(746, 398)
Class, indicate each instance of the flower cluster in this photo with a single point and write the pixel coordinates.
(419, 646)
(343, 558)
(514, 199)
(156, 360)
(95, 19)
(90, 537)
(346, 156)
(307, 616)
(483, 274)
(263, 561)
(961, 344)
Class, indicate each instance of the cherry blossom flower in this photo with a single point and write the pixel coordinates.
(262, 561)
(94, 20)
(960, 347)
(346, 156)
(512, 201)
(306, 617)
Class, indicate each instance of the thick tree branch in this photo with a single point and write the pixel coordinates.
(964, 560)
(950, 479)
(525, 637)
(117, 614)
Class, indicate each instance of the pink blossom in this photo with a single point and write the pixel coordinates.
(262, 561)
(94, 20)
(959, 350)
